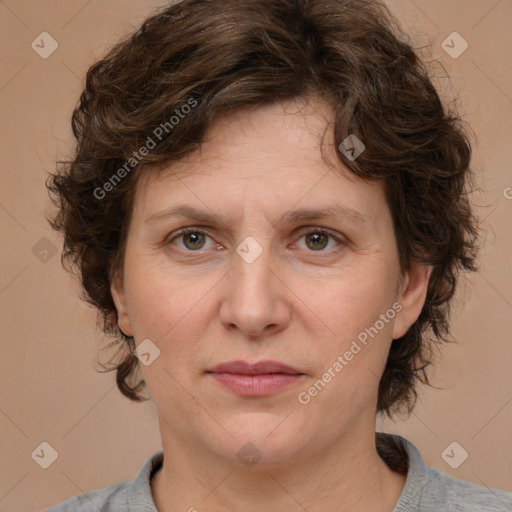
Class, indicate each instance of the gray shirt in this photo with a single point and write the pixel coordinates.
(426, 490)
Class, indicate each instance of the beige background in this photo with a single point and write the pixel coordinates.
(49, 388)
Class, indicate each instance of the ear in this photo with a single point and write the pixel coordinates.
(413, 292)
(118, 295)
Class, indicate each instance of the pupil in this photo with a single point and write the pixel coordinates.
(315, 237)
(194, 235)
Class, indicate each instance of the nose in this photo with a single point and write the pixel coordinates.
(256, 298)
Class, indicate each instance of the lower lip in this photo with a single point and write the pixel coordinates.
(256, 385)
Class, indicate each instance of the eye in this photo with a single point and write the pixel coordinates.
(193, 239)
(318, 239)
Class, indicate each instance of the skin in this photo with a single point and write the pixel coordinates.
(298, 303)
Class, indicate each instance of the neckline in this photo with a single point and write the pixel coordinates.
(408, 501)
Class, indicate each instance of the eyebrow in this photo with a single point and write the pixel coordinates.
(335, 212)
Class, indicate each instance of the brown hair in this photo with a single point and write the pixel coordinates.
(220, 56)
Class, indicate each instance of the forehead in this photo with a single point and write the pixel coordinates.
(273, 156)
(286, 132)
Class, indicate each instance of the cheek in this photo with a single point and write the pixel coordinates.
(350, 306)
(351, 359)
(165, 306)
(168, 311)
(351, 300)
(153, 303)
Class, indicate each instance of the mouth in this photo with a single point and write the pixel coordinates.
(258, 379)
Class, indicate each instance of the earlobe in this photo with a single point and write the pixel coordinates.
(412, 297)
(118, 296)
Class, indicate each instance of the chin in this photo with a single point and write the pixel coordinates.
(264, 439)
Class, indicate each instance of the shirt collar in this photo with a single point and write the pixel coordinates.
(140, 498)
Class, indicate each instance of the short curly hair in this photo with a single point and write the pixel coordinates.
(222, 56)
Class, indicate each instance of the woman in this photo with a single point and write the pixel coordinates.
(268, 205)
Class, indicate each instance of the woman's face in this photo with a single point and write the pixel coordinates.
(260, 279)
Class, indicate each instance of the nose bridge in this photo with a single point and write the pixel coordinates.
(254, 300)
(252, 276)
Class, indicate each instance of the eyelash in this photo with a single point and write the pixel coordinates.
(302, 233)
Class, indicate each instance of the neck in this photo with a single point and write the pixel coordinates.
(349, 476)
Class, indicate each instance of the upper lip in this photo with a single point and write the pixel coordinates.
(259, 368)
